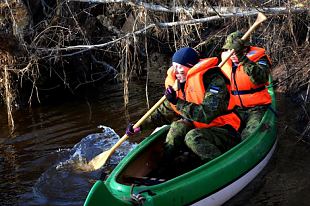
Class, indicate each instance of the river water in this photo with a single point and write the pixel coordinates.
(39, 160)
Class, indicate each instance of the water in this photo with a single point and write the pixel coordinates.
(67, 181)
(286, 179)
(38, 161)
(41, 162)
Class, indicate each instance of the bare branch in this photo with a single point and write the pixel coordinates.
(225, 12)
(161, 25)
(88, 47)
(205, 10)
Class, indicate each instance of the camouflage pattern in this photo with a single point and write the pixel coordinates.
(252, 117)
(182, 136)
(258, 71)
(175, 146)
(177, 133)
(213, 105)
(208, 143)
(205, 143)
(232, 38)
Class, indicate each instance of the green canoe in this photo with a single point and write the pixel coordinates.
(212, 183)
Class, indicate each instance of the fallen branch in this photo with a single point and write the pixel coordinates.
(225, 12)
(204, 10)
(160, 25)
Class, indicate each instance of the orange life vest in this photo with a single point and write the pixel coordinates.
(249, 93)
(195, 91)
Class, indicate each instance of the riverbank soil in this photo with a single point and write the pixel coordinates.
(58, 46)
(292, 79)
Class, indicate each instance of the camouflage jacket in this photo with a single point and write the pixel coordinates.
(213, 105)
(258, 71)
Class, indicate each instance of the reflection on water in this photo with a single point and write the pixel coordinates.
(286, 179)
(36, 161)
(42, 140)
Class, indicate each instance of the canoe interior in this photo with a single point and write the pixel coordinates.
(149, 167)
(138, 172)
(144, 164)
(143, 168)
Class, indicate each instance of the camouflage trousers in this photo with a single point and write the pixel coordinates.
(207, 143)
(251, 118)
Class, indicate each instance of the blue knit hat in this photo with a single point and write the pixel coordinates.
(186, 56)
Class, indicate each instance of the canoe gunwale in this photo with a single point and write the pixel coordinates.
(157, 189)
(207, 165)
(217, 174)
(210, 198)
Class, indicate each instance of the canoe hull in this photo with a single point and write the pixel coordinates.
(231, 190)
(212, 183)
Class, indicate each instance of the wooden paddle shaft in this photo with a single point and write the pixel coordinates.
(260, 18)
(146, 115)
(142, 119)
(100, 159)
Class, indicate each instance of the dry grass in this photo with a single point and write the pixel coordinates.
(121, 36)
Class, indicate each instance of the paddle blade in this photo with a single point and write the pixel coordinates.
(100, 160)
(260, 18)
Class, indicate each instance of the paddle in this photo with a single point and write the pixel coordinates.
(101, 159)
(260, 19)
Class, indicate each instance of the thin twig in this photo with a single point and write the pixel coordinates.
(290, 76)
(218, 10)
(161, 25)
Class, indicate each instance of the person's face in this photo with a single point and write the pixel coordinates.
(180, 71)
(234, 58)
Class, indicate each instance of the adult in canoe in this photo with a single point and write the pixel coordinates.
(202, 115)
(133, 181)
(248, 70)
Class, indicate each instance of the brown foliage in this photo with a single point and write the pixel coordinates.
(74, 44)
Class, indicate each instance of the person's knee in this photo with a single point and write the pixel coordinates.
(191, 138)
(200, 145)
(176, 133)
(179, 128)
(174, 124)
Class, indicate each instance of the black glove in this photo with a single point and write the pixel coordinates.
(171, 95)
(130, 131)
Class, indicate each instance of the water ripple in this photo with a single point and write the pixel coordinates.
(66, 183)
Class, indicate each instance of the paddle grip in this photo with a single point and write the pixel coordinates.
(260, 19)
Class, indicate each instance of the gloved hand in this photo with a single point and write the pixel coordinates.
(130, 131)
(238, 46)
(171, 95)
